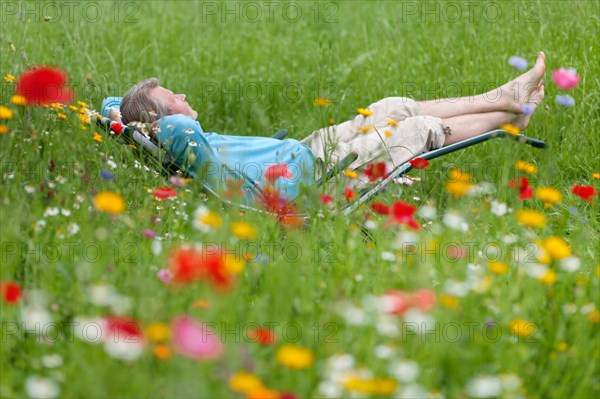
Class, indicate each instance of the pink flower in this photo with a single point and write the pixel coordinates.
(397, 302)
(565, 78)
(148, 233)
(326, 199)
(423, 299)
(165, 275)
(194, 339)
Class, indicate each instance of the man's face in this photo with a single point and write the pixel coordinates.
(174, 102)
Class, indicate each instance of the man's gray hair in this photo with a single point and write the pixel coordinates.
(137, 106)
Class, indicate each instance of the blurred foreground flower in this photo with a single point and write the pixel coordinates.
(531, 218)
(11, 292)
(565, 101)
(44, 85)
(566, 79)
(194, 339)
(584, 192)
(519, 63)
(122, 337)
(521, 327)
(548, 195)
(188, 265)
(295, 357)
(164, 193)
(459, 183)
(109, 202)
(274, 172)
(5, 112)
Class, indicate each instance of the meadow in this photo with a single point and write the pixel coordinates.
(496, 294)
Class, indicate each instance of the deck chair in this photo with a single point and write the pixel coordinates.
(134, 134)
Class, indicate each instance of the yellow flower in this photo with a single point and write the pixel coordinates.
(331, 121)
(531, 218)
(562, 346)
(594, 316)
(364, 111)
(548, 278)
(459, 175)
(244, 382)
(57, 106)
(521, 327)
(557, 247)
(243, 230)
(73, 108)
(392, 123)
(263, 393)
(18, 100)
(9, 78)
(83, 118)
(61, 115)
(210, 219)
(548, 195)
(449, 301)
(109, 202)
(234, 264)
(498, 267)
(201, 304)
(371, 386)
(5, 112)
(387, 133)
(82, 104)
(351, 174)
(510, 128)
(97, 137)
(4, 129)
(596, 176)
(459, 188)
(526, 167)
(321, 102)
(295, 357)
(158, 332)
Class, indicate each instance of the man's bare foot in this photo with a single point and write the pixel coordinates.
(519, 91)
(522, 120)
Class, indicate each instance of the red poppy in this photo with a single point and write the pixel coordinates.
(287, 395)
(419, 163)
(44, 85)
(403, 213)
(116, 127)
(276, 171)
(189, 265)
(164, 193)
(264, 336)
(525, 190)
(584, 192)
(375, 170)
(380, 208)
(349, 194)
(122, 328)
(11, 292)
(274, 202)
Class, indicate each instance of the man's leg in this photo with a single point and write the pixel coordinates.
(508, 97)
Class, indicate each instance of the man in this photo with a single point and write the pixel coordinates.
(393, 130)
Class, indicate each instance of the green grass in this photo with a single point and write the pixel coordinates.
(370, 50)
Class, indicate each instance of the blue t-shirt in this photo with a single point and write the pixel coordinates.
(230, 163)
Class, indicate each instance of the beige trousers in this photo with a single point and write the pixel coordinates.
(394, 133)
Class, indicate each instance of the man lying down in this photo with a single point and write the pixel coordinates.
(393, 130)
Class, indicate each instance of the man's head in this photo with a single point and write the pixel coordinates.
(147, 101)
